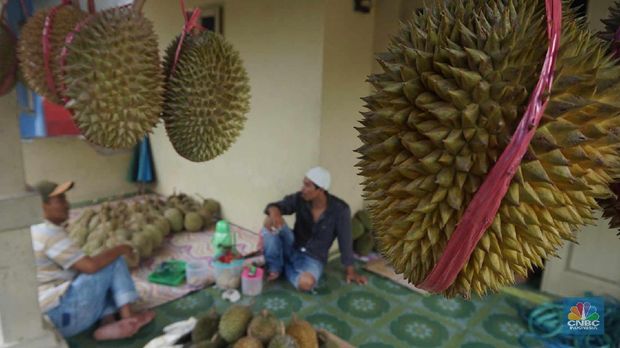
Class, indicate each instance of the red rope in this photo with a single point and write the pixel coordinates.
(47, 48)
(25, 11)
(65, 51)
(482, 209)
(91, 7)
(191, 23)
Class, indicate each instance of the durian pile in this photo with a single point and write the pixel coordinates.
(361, 230)
(237, 327)
(142, 224)
(8, 59)
(207, 96)
(455, 83)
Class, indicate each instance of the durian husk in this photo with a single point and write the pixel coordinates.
(611, 206)
(114, 79)
(455, 83)
(8, 59)
(30, 50)
(207, 96)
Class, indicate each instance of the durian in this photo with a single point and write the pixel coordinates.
(193, 222)
(8, 59)
(206, 98)
(175, 218)
(303, 333)
(611, 206)
(364, 244)
(206, 326)
(248, 342)
(282, 340)
(455, 83)
(612, 24)
(264, 326)
(234, 323)
(114, 78)
(62, 20)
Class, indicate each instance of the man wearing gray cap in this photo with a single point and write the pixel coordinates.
(75, 290)
(301, 254)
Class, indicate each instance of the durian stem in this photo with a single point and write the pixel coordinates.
(138, 5)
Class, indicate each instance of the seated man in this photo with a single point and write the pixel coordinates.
(76, 290)
(302, 253)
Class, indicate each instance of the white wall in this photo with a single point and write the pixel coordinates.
(70, 158)
(347, 61)
(281, 44)
(11, 167)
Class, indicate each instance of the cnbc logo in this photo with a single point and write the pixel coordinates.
(583, 316)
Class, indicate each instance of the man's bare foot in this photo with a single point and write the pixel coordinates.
(108, 319)
(273, 276)
(124, 328)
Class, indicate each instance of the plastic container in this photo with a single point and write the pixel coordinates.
(171, 272)
(228, 275)
(197, 273)
(252, 281)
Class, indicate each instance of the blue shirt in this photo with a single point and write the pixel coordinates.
(316, 239)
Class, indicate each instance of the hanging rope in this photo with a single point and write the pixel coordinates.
(483, 208)
(47, 46)
(191, 23)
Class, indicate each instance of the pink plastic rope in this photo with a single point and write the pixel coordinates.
(190, 24)
(65, 51)
(47, 48)
(482, 209)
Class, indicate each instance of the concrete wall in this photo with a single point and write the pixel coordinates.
(281, 44)
(12, 169)
(71, 158)
(597, 10)
(347, 61)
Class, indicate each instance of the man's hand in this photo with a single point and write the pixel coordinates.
(274, 221)
(127, 250)
(352, 276)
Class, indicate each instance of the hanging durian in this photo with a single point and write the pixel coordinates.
(611, 34)
(207, 96)
(454, 86)
(61, 21)
(8, 59)
(114, 78)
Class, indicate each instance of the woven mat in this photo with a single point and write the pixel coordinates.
(181, 246)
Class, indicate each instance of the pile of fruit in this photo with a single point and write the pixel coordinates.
(143, 224)
(361, 230)
(237, 327)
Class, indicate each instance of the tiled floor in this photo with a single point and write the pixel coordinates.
(379, 315)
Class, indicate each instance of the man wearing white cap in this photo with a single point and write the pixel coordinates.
(301, 254)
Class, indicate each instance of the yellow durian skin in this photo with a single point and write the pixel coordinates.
(207, 96)
(114, 78)
(455, 83)
(31, 57)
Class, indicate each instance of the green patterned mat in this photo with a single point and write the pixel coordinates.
(379, 315)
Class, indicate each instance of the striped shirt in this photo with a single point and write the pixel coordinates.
(54, 253)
